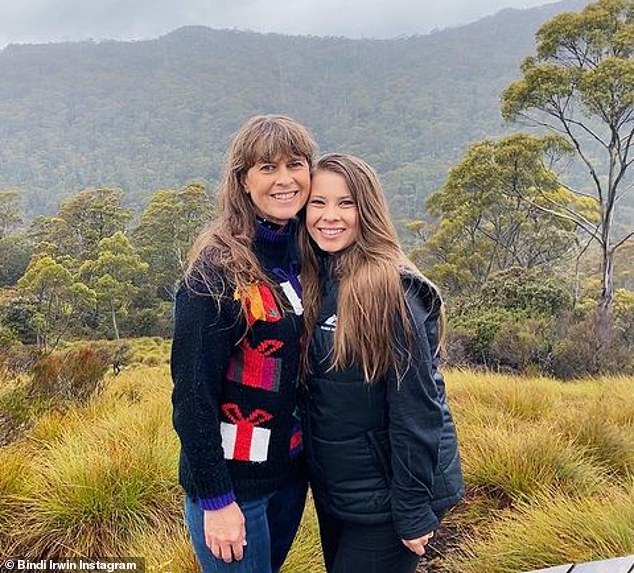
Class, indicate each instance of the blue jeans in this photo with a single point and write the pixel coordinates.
(271, 524)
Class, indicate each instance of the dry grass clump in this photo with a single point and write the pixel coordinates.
(548, 467)
(518, 462)
(167, 549)
(13, 476)
(552, 530)
(305, 555)
(97, 486)
(150, 351)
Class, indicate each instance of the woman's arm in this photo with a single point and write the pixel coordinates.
(202, 345)
(415, 425)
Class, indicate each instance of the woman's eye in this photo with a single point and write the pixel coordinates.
(316, 202)
(347, 203)
(296, 163)
(267, 167)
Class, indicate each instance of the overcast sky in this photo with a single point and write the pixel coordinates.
(60, 20)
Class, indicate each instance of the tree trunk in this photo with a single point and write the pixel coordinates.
(607, 277)
(114, 322)
(607, 286)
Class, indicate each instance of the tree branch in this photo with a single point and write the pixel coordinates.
(585, 128)
(576, 191)
(623, 241)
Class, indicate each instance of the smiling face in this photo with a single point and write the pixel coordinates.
(278, 187)
(332, 218)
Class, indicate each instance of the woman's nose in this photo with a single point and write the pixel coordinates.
(284, 176)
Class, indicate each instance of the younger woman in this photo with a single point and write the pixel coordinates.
(235, 357)
(381, 443)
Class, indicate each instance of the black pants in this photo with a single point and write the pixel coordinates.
(356, 548)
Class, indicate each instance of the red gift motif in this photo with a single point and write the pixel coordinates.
(255, 367)
(242, 440)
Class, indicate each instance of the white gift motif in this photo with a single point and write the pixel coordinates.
(242, 440)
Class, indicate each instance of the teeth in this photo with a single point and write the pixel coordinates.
(331, 232)
(284, 196)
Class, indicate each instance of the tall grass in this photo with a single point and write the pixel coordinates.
(97, 487)
(553, 529)
(549, 470)
(305, 555)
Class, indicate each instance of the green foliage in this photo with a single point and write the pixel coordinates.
(83, 220)
(10, 212)
(59, 298)
(475, 332)
(115, 274)
(532, 291)
(489, 212)
(15, 253)
(18, 314)
(92, 215)
(581, 85)
(509, 323)
(167, 229)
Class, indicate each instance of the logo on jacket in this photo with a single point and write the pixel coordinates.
(330, 324)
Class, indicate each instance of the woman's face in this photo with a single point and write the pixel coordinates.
(278, 188)
(331, 214)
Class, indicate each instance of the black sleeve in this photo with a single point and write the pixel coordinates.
(202, 345)
(415, 422)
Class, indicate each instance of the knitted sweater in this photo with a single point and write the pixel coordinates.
(234, 395)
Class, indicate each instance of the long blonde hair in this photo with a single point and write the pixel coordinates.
(372, 313)
(226, 245)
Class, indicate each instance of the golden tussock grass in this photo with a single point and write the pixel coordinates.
(551, 529)
(107, 476)
(549, 470)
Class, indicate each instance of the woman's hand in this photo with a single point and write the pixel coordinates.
(418, 545)
(225, 533)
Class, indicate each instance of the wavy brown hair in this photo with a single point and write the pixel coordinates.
(372, 313)
(226, 245)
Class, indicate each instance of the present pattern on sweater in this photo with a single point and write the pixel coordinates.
(259, 302)
(256, 367)
(242, 438)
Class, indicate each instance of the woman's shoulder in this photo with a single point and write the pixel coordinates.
(205, 279)
(419, 291)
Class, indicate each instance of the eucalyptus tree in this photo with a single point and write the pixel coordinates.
(581, 85)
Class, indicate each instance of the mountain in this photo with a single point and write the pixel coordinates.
(153, 114)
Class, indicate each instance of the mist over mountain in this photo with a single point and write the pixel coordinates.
(154, 114)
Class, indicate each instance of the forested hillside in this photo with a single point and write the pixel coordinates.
(154, 114)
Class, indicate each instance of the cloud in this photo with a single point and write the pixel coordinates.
(60, 20)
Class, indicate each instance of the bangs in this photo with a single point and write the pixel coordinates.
(277, 138)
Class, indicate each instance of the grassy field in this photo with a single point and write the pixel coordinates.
(549, 469)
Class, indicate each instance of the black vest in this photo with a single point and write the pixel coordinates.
(346, 427)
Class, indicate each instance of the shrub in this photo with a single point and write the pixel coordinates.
(522, 345)
(476, 331)
(72, 375)
(592, 347)
(17, 315)
(531, 291)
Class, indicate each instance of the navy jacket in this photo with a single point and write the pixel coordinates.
(386, 450)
